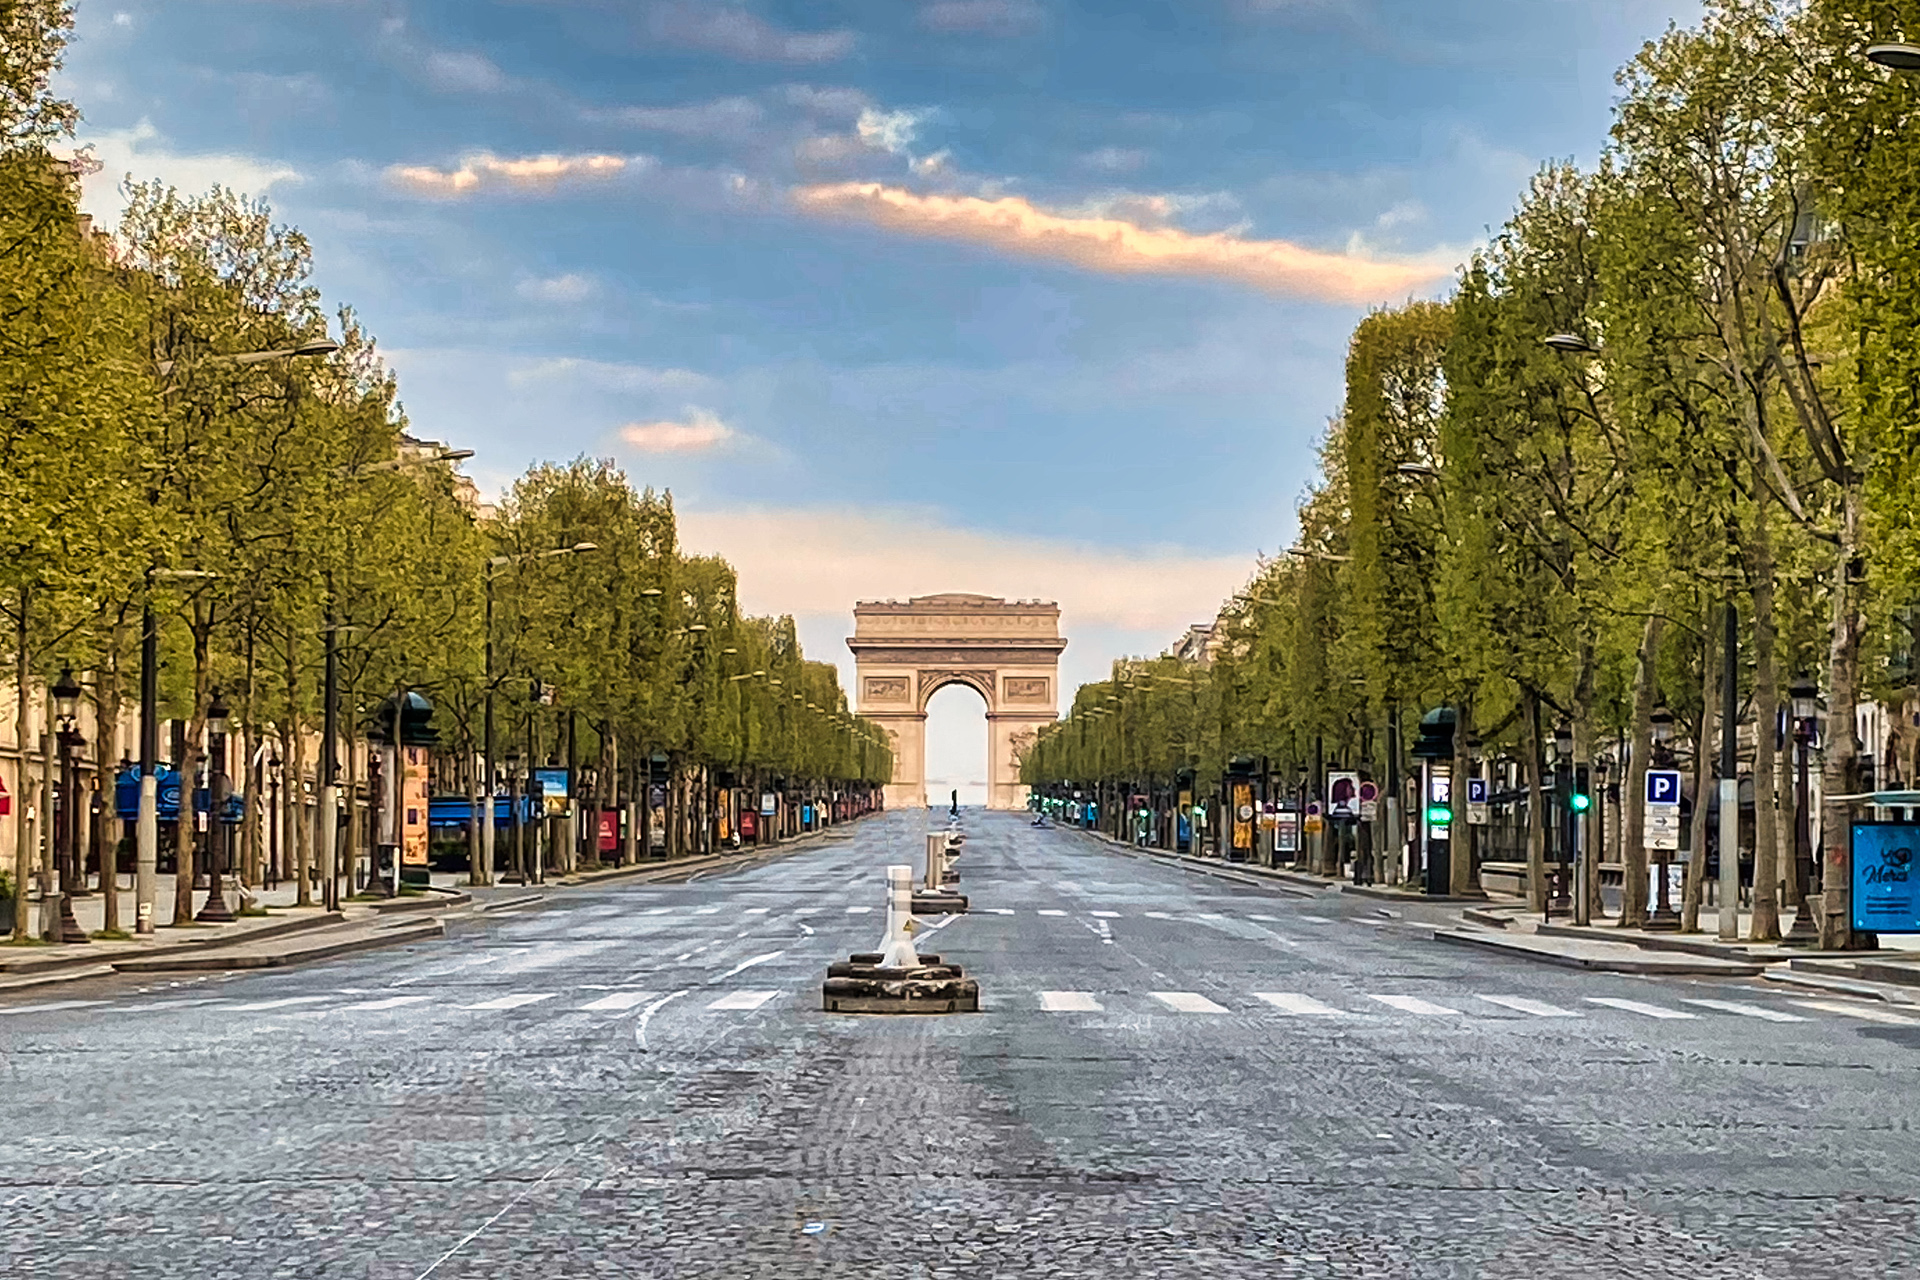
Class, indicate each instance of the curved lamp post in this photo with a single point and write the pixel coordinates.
(215, 911)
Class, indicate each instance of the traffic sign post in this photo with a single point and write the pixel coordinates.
(1661, 831)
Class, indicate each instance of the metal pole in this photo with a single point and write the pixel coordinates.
(329, 817)
(147, 824)
(484, 874)
(1729, 914)
(215, 911)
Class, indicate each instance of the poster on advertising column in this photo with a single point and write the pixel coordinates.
(1884, 898)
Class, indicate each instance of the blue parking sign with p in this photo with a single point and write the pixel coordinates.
(1476, 790)
(1663, 786)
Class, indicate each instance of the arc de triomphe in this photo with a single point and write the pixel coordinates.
(1007, 651)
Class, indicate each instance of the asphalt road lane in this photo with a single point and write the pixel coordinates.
(1172, 1076)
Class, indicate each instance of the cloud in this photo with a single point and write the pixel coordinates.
(724, 118)
(983, 17)
(735, 33)
(1115, 159)
(571, 287)
(483, 168)
(141, 152)
(609, 376)
(810, 561)
(702, 431)
(1014, 225)
(463, 73)
(888, 130)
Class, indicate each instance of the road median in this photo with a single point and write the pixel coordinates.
(1598, 956)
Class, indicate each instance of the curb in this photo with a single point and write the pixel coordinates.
(503, 903)
(212, 937)
(1385, 894)
(1839, 986)
(1893, 975)
(100, 970)
(440, 902)
(1246, 873)
(277, 959)
(1599, 964)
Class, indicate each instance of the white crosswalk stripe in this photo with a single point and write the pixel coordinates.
(858, 911)
(1747, 1010)
(282, 1003)
(1415, 1005)
(1865, 1012)
(998, 911)
(743, 1000)
(1049, 911)
(1635, 1006)
(1293, 1002)
(1157, 915)
(513, 1002)
(617, 1002)
(708, 911)
(1104, 915)
(391, 1002)
(1187, 1002)
(1537, 1008)
(755, 911)
(1069, 1002)
(1316, 919)
(658, 911)
(1263, 919)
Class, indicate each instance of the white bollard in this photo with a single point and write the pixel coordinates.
(936, 859)
(896, 947)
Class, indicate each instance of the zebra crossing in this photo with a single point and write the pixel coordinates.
(1298, 1004)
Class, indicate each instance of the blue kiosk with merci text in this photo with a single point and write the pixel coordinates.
(1886, 887)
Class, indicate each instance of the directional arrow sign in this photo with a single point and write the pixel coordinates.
(1663, 787)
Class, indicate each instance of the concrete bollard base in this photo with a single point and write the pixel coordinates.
(927, 989)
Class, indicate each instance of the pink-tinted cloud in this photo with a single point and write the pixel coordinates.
(734, 33)
(983, 17)
(484, 169)
(1116, 245)
(701, 432)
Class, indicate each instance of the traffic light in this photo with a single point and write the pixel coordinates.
(1582, 798)
(1439, 815)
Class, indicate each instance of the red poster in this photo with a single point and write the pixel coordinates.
(746, 824)
(609, 830)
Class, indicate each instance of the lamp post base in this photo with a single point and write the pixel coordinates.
(215, 911)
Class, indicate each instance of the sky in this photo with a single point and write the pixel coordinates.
(1032, 298)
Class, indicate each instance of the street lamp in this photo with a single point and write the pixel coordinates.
(1895, 56)
(1804, 697)
(215, 911)
(58, 922)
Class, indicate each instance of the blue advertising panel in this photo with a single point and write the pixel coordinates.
(1884, 888)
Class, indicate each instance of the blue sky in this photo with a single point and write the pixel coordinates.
(1027, 297)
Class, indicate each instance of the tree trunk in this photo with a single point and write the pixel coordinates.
(189, 766)
(296, 783)
(22, 785)
(1633, 846)
(1765, 926)
(1460, 877)
(106, 748)
(1693, 890)
(1536, 805)
(1840, 744)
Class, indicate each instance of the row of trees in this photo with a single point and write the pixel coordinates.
(185, 428)
(1681, 382)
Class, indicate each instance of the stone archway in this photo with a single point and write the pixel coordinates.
(1007, 651)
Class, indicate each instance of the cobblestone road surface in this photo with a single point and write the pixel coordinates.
(1172, 1077)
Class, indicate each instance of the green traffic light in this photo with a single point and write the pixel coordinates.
(1438, 815)
(1581, 803)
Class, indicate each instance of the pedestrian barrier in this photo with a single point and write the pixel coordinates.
(896, 979)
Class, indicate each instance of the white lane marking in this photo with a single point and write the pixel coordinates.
(1415, 1005)
(743, 1000)
(1292, 1002)
(708, 911)
(1263, 919)
(998, 911)
(658, 911)
(1747, 1010)
(391, 1002)
(1104, 915)
(1645, 1010)
(1863, 1011)
(1050, 911)
(754, 911)
(1157, 915)
(858, 911)
(48, 1006)
(646, 1016)
(1069, 1002)
(1211, 915)
(1538, 1008)
(618, 1002)
(748, 964)
(1315, 919)
(277, 1004)
(513, 1002)
(1187, 1002)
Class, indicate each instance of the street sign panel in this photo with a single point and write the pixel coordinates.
(1479, 811)
(1661, 828)
(1343, 794)
(1663, 787)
